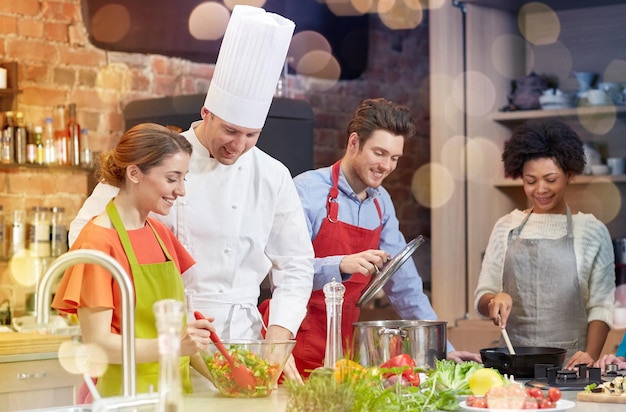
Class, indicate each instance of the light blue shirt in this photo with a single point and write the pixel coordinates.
(405, 288)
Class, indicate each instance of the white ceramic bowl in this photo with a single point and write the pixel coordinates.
(555, 101)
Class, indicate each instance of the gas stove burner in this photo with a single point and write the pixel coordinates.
(565, 379)
(566, 374)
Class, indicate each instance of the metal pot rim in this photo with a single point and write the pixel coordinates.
(400, 323)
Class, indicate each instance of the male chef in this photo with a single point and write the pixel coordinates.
(354, 229)
(241, 217)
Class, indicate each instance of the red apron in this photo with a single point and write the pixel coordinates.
(334, 238)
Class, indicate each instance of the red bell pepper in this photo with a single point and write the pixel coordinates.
(407, 363)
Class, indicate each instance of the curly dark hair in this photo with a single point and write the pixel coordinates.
(543, 139)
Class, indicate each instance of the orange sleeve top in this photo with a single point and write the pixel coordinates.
(91, 286)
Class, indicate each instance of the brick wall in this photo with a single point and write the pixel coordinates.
(58, 65)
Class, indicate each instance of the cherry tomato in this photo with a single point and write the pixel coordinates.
(554, 394)
(546, 404)
(480, 403)
(534, 393)
(470, 400)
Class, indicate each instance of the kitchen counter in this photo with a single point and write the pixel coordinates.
(277, 401)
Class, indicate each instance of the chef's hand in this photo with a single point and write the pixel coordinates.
(196, 336)
(499, 304)
(578, 358)
(604, 360)
(365, 263)
(461, 355)
(275, 332)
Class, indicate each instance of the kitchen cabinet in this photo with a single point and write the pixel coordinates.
(36, 384)
(476, 51)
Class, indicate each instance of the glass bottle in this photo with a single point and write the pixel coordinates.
(49, 149)
(61, 135)
(333, 296)
(39, 231)
(17, 241)
(40, 155)
(73, 130)
(85, 152)
(169, 316)
(20, 137)
(58, 232)
(8, 144)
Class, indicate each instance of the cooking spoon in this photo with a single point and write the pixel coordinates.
(243, 376)
(505, 335)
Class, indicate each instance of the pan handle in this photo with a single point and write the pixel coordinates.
(390, 331)
(502, 361)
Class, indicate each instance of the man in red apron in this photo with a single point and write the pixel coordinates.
(354, 229)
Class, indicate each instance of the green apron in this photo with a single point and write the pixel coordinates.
(153, 282)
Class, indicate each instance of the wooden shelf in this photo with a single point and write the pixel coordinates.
(578, 180)
(570, 113)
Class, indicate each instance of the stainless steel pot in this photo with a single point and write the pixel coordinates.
(377, 341)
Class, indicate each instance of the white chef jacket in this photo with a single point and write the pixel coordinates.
(239, 222)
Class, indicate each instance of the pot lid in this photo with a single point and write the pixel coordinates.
(388, 270)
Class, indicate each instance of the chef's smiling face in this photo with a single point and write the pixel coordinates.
(545, 184)
(225, 141)
(368, 163)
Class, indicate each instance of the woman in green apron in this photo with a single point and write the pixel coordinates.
(548, 271)
(149, 165)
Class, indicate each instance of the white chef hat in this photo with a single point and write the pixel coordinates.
(249, 64)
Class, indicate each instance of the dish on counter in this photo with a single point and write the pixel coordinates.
(561, 405)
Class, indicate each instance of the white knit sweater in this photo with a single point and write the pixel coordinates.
(594, 257)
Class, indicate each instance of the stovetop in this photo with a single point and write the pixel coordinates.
(569, 380)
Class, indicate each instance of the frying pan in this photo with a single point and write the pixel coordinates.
(522, 364)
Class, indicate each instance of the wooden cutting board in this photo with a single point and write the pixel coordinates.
(14, 343)
(600, 397)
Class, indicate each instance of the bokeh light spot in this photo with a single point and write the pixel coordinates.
(502, 48)
(110, 23)
(343, 8)
(319, 64)
(363, 6)
(423, 191)
(598, 120)
(25, 269)
(78, 358)
(615, 71)
(538, 23)
(452, 155)
(208, 21)
(306, 42)
(601, 198)
(483, 155)
(478, 85)
(232, 3)
(400, 16)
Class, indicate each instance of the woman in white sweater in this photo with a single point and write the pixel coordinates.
(548, 271)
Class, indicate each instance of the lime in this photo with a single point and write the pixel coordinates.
(483, 379)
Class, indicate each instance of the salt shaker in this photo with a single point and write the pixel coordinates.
(333, 296)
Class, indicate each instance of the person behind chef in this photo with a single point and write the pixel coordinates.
(148, 165)
(548, 271)
(619, 358)
(241, 217)
(354, 228)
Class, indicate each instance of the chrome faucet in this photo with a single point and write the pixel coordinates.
(65, 261)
